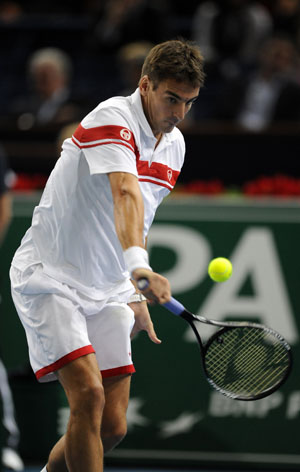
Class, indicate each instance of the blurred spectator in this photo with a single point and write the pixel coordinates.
(229, 32)
(10, 11)
(9, 455)
(53, 6)
(130, 59)
(6, 180)
(49, 100)
(124, 21)
(271, 94)
(286, 19)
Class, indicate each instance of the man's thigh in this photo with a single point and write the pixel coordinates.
(109, 333)
(78, 376)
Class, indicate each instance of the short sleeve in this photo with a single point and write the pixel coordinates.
(107, 147)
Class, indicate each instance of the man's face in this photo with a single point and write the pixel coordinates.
(48, 79)
(166, 106)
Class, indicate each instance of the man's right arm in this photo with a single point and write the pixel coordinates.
(129, 223)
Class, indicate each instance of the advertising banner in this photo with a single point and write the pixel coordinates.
(174, 416)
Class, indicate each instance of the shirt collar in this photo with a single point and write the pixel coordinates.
(137, 105)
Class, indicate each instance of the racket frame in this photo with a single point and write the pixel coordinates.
(175, 307)
(225, 326)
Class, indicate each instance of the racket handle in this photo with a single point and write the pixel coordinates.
(142, 284)
(174, 306)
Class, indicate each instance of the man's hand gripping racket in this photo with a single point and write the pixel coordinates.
(242, 360)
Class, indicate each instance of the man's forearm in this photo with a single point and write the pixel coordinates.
(128, 209)
(129, 220)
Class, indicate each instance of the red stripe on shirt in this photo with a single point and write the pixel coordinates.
(88, 136)
(101, 135)
(85, 146)
(161, 184)
(159, 171)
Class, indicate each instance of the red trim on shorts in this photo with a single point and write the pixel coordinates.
(83, 351)
(125, 369)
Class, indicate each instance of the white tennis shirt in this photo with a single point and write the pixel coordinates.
(72, 232)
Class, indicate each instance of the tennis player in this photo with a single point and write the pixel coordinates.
(73, 276)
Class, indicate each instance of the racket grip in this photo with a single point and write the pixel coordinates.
(174, 306)
(142, 284)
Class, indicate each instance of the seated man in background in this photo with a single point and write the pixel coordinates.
(49, 100)
(268, 95)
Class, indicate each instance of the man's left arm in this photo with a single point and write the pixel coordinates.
(142, 316)
(143, 321)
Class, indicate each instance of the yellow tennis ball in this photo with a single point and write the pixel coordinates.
(220, 269)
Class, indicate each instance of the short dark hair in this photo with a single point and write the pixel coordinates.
(178, 59)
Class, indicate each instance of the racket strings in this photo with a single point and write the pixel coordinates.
(246, 361)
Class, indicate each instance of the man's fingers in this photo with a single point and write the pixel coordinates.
(134, 331)
(154, 287)
(152, 335)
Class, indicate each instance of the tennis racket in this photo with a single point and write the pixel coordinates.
(242, 360)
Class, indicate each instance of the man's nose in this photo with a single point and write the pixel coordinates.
(180, 111)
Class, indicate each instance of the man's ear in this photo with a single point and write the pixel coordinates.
(144, 85)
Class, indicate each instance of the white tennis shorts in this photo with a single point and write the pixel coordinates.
(62, 325)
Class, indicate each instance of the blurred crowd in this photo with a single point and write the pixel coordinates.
(60, 58)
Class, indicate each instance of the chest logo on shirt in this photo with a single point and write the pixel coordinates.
(125, 134)
(169, 174)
